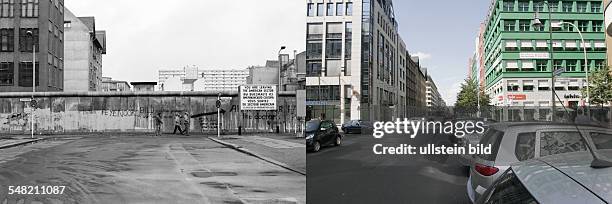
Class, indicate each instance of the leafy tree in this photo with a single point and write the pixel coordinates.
(600, 90)
(467, 98)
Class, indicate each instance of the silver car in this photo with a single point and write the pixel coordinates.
(515, 142)
(563, 178)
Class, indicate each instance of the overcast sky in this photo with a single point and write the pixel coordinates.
(144, 36)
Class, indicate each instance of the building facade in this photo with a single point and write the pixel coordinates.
(608, 21)
(143, 86)
(44, 20)
(433, 97)
(110, 85)
(356, 63)
(83, 50)
(191, 78)
(517, 54)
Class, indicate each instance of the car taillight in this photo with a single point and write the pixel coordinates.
(486, 170)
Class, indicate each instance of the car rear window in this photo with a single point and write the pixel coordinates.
(508, 189)
(492, 137)
(559, 142)
(525, 146)
(602, 140)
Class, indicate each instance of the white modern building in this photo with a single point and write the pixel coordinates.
(191, 78)
(355, 61)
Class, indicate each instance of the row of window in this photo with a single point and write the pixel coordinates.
(333, 42)
(557, 6)
(530, 86)
(26, 42)
(527, 26)
(25, 74)
(337, 9)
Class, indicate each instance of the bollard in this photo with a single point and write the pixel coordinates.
(239, 130)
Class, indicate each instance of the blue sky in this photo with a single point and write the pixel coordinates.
(444, 34)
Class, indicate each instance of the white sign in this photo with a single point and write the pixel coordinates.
(534, 55)
(25, 99)
(258, 97)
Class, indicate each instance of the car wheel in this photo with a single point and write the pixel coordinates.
(345, 130)
(338, 141)
(317, 146)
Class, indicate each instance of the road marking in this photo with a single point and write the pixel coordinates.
(274, 143)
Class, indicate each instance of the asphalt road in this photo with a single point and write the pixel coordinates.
(141, 169)
(352, 173)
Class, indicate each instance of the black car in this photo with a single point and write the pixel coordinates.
(321, 133)
(357, 126)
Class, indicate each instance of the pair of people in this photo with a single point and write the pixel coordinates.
(180, 123)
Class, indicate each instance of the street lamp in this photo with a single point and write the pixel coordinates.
(280, 68)
(538, 23)
(30, 34)
(586, 64)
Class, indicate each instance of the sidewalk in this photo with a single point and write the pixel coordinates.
(8, 142)
(284, 150)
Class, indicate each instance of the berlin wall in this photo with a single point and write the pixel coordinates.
(59, 113)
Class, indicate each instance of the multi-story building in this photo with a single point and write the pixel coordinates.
(608, 21)
(355, 60)
(26, 25)
(83, 49)
(191, 78)
(433, 97)
(110, 85)
(221, 80)
(517, 52)
(416, 86)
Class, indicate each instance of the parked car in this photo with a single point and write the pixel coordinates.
(515, 142)
(562, 178)
(321, 133)
(470, 139)
(357, 126)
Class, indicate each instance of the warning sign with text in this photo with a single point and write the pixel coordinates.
(258, 97)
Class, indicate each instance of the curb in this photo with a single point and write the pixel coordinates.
(246, 151)
(22, 143)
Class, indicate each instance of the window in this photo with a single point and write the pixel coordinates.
(583, 26)
(595, 6)
(67, 24)
(330, 9)
(334, 30)
(528, 87)
(314, 49)
(29, 8)
(348, 42)
(509, 25)
(8, 8)
(540, 27)
(6, 73)
(567, 27)
(313, 69)
(541, 65)
(602, 140)
(349, 8)
(524, 25)
(319, 9)
(339, 9)
(508, 189)
(513, 87)
(582, 7)
(333, 48)
(508, 5)
(7, 40)
(567, 6)
(310, 11)
(25, 74)
(552, 143)
(538, 6)
(571, 65)
(597, 26)
(26, 42)
(523, 6)
(554, 6)
(525, 146)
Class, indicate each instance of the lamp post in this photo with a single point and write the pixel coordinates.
(280, 69)
(537, 22)
(586, 64)
(30, 34)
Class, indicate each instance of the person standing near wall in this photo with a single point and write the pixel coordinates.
(177, 124)
(158, 123)
(186, 126)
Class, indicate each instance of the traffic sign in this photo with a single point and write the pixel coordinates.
(559, 71)
(33, 103)
(218, 104)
